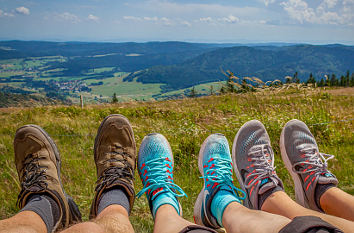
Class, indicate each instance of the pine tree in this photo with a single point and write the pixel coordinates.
(296, 78)
(333, 81)
(311, 80)
(347, 79)
(211, 89)
(322, 83)
(114, 98)
(193, 93)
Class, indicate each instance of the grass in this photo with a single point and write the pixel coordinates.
(186, 123)
(125, 90)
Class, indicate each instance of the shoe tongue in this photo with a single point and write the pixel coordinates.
(266, 184)
(327, 178)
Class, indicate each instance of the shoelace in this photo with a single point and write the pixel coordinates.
(34, 177)
(221, 174)
(113, 173)
(262, 166)
(316, 161)
(158, 179)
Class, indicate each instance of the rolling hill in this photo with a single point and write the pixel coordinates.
(267, 63)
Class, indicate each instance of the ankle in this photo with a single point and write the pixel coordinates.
(220, 202)
(163, 200)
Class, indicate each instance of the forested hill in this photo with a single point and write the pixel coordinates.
(267, 63)
(175, 64)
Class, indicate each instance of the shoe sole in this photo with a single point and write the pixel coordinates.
(299, 193)
(200, 200)
(73, 208)
(246, 202)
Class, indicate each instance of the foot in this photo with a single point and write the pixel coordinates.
(37, 162)
(115, 156)
(253, 161)
(306, 165)
(155, 166)
(218, 191)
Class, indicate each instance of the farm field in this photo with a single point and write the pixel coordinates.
(186, 123)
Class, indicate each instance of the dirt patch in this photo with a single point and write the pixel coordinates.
(342, 91)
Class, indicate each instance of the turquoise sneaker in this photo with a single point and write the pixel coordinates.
(218, 192)
(155, 166)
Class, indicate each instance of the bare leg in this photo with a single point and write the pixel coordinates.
(26, 221)
(280, 203)
(168, 220)
(338, 203)
(112, 219)
(238, 218)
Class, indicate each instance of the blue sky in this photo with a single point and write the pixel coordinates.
(305, 21)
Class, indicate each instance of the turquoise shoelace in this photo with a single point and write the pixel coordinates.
(221, 173)
(157, 178)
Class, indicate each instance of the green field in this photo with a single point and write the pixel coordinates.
(186, 123)
(125, 90)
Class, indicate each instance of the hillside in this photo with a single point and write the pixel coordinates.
(143, 71)
(186, 123)
(266, 63)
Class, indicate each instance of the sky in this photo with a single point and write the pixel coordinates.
(221, 21)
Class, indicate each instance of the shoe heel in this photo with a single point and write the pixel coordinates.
(75, 214)
(198, 208)
(299, 193)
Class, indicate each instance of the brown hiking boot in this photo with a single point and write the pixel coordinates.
(115, 156)
(37, 162)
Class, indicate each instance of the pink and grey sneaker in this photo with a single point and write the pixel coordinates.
(253, 162)
(306, 165)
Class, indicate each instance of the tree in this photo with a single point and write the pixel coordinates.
(230, 84)
(193, 93)
(321, 83)
(211, 89)
(114, 98)
(347, 79)
(333, 81)
(296, 78)
(222, 90)
(311, 80)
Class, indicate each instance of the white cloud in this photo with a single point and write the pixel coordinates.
(93, 18)
(131, 18)
(66, 16)
(5, 14)
(22, 10)
(322, 14)
(151, 18)
(162, 20)
(267, 2)
(186, 23)
(206, 19)
(330, 3)
(230, 19)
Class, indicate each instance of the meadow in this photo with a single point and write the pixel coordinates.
(186, 123)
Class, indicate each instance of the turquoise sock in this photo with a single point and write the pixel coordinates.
(162, 199)
(219, 203)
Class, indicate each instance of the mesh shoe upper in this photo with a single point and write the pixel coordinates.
(304, 161)
(253, 159)
(38, 165)
(216, 167)
(155, 166)
(115, 156)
